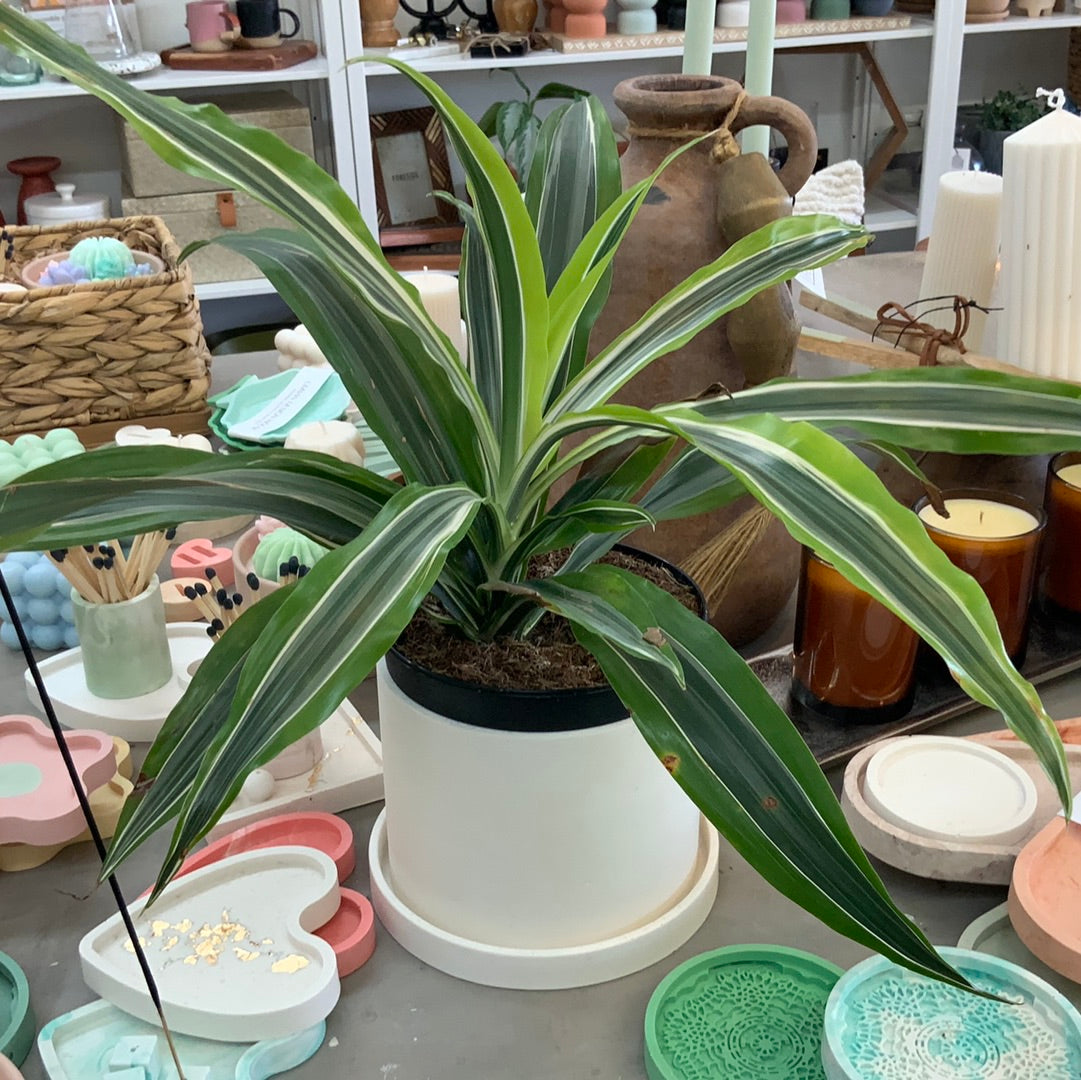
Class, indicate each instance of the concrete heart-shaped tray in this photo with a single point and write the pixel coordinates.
(97, 1041)
(231, 963)
(947, 860)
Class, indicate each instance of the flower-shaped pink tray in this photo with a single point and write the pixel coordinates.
(38, 804)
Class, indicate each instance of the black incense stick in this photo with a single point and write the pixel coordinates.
(91, 824)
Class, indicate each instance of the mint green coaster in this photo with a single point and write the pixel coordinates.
(746, 1011)
(17, 1025)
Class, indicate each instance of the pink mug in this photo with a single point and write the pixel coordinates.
(212, 27)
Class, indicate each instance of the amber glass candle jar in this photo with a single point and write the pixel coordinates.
(1061, 557)
(995, 537)
(853, 659)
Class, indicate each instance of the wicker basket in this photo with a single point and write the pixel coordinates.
(102, 354)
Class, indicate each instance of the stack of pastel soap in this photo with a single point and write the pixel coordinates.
(29, 452)
(42, 599)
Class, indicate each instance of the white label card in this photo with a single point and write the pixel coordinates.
(304, 386)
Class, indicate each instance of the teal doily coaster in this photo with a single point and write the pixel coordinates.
(746, 1012)
(886, 1023)
(17, 1025)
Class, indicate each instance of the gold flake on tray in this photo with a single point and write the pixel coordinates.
(289, 965)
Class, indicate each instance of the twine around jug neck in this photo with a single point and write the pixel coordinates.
(724, 141)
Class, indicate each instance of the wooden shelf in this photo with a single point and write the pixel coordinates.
(1056, 20)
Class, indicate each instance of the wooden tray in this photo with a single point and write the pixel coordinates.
(1054, 648)
(285, 55)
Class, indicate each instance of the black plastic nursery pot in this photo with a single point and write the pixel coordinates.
(522, 710)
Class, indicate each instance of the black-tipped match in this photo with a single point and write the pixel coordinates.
(221, 596)
(211, 573)
(111, 551)
(109, 564)
(200, 588)
(227, 604)
(88, 548)
(211, 632)
(98, 563)
(190, 592)
(218, 625)
(103, 549)
(253, 581)
(302, 570)
(170, 534)
(283, 569)
(60, 554)
(238, 599)
(294, 564)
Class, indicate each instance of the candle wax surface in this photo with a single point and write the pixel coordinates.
(982, 519)
(1070, 474)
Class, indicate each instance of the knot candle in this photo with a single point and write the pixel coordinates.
(995, 538)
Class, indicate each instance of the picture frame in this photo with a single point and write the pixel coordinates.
(409, 160)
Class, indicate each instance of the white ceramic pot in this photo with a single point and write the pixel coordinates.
(533, 840)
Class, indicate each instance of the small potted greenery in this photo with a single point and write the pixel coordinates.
(515, 123)
(1000, 117)
(474, 544)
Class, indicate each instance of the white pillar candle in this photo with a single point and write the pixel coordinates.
(439, 296)
(983, 519)
(963, 251)
(698, 37)
(1041, 247)
(759, 80)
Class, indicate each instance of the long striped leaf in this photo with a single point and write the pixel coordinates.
(502, 225)
(737, 755)
(953, 409)
(769, 256)
(128, 490)
(831, 501)
(203, 141)
(191, 727)
(329, 633)
(412, 408)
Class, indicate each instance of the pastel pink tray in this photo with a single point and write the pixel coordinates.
(1043, 896)
(351, 931)
(38, 805)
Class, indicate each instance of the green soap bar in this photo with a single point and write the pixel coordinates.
(29, 452)
(279, 547)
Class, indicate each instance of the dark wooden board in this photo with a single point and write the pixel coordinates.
(286, 55)
(1054, 649)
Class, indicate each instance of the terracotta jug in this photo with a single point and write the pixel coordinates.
(696, 211)
(377, 23)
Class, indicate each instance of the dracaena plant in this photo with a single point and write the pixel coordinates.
(480, 453)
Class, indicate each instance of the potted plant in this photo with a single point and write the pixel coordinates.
(1000, 117)
(515, 124)
(458, 544)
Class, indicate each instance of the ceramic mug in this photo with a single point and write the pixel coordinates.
(212, 27)
(261, 24)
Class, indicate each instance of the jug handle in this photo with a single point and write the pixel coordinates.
(798, 131)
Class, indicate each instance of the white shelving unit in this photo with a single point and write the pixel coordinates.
(339, 94)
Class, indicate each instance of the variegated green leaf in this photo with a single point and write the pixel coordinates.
(191, 727)
(831, 501)
(769, 256)
(326, 636)
(501, 224)
(127, 490)
(736, 754)
(953, 409)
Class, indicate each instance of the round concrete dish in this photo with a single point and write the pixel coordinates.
(950, 789)
(946, 860)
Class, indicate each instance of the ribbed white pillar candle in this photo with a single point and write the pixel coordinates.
(963, 251)
(1041, 247)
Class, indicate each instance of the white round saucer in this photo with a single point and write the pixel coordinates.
(950, 789)
(545, 969)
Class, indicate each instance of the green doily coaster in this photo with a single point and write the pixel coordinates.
(752, 1012)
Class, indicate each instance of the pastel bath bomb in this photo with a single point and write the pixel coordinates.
(29, 452)
(279, 547)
